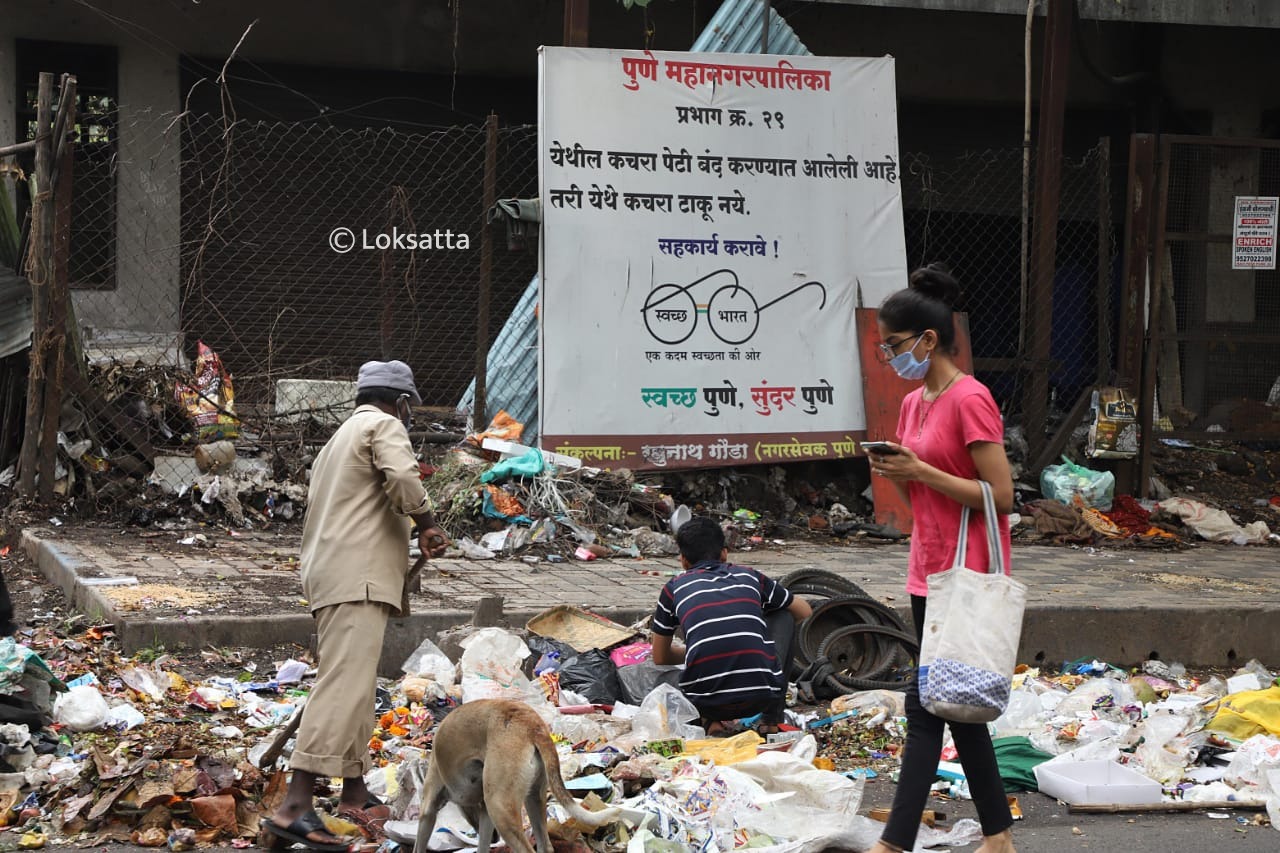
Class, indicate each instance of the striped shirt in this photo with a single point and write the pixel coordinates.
(730, 658)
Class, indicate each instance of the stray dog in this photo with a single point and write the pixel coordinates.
(490, 756)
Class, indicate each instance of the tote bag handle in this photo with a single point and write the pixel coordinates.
(995, 562)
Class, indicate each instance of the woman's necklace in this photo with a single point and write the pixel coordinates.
(924, 412)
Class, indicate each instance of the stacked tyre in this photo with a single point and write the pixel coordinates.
(866, 642)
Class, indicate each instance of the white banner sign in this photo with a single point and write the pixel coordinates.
(1253, 245)
(708, 221)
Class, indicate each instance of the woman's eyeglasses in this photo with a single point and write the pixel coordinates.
(889, 349)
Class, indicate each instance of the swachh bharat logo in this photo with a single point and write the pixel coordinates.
(343, 240)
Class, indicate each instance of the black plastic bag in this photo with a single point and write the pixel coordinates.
(593, 675)
(639, 679)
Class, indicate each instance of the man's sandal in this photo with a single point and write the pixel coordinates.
(300, 832)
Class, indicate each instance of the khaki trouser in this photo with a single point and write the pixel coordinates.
(333, 737)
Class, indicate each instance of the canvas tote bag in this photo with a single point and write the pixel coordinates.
(973, 621)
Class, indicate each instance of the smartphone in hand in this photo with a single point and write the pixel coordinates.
(879, 448)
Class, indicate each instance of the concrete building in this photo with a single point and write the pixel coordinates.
(1183, 66)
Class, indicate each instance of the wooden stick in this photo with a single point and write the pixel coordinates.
(1178, 806)
(269, 757)
(10, 150)
(39, 274)
(53, 347)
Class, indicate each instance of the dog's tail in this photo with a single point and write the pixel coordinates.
(551, 765)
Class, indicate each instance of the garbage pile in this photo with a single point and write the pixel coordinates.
(498, 497)
(1080, 507)
(101, 748)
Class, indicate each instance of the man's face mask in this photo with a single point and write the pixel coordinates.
(405, 412)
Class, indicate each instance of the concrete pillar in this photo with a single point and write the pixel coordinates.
(8, 89)
(143, 311)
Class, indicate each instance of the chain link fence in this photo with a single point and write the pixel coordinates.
(298, 251)
(1218, 305)
(294, 251)
(965, 210)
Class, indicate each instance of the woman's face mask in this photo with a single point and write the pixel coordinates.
(908, 366)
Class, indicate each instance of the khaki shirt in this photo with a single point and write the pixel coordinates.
(355, 540)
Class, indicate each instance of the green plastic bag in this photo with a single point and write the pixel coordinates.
(1063, 482)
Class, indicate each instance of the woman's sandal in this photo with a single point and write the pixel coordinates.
(300, 832)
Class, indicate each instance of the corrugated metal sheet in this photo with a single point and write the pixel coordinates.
(512, 378)
(512, 381)
(735, 28)
(15, 313)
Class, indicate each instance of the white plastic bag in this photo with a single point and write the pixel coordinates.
(491, 666)
(427, 661)
(664, 714)
(971, 631)
(81, 709)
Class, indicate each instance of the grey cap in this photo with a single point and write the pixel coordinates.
(388, 374)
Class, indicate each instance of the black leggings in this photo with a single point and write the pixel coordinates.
(920, 758)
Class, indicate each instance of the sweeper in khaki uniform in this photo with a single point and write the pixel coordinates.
(365, 487)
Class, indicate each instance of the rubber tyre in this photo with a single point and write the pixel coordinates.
(819, 583)
(905, 642)
(849, 610)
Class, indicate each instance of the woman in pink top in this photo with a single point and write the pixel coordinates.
(950, 435)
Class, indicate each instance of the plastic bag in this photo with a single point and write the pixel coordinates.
(472, 551)
(872, 703)
(593, 675)
(1021, 717)
(530, 464)
(1253, 762)
(664, 714)
(631, 654)
(1251, 712)
(1061, 482)
(210, 401)
(639, 680)
(1114, 431)
(81, 709)
(427, 661)
(491, 666)
(1162, 755)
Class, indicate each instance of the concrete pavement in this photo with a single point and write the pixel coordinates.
(1209, 605)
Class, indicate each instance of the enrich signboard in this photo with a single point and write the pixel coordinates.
(709, 221)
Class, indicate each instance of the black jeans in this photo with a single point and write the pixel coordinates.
(920, 758)
(781, 626)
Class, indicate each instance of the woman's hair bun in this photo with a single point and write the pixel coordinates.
(936, 282)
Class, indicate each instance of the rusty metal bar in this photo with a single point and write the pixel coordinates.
(1197, 237)
(576, 23)
(1220, 141)
(1137, 255)
(1053, 93)
(1104, 261)
(480, 416)
(1224, 335)
(1146, 403)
